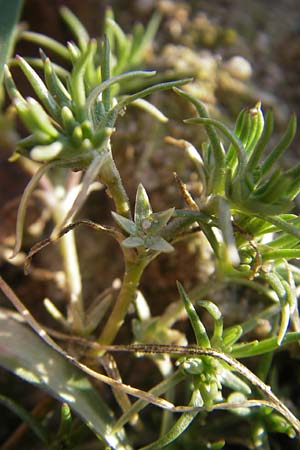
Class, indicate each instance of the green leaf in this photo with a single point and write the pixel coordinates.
(55, 85)
(159, 220)
(76, 27)
(10, 86)
(214, 311)
(235, 141)
(128, 225)
(39, 87)
(150, 109)
(46, 42)
(198, 327)
(283, 144)
(180, 425)
(142, 206)
(263, 141)
(231, 335)
(78, 78)
(116, 35)
(150, 90)
(44, 153)
(142, 40)
(219, 170)
(105, 72)
(133, 241)
(234, 382)
(158, 244)
(238, 397)
(24, 353)
(10, 13)
(95, 93)
(255, 348)
(65, 425)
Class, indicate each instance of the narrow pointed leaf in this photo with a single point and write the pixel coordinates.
(10, 86)
(105, 73)
(158, 244)
(46, 42)
(198, 327)
(133, 242)
(150, 109)
(76, 27)
(150, 90)
(283, 144)
(232, 381)
(77, 78)
(180, 425)
(55, 85)
(255, 348)
(126, 224)
(97, 91)
(140, 46)
(39, 87)
(157, 221)
(142, 206)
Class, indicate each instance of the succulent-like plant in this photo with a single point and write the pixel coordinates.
(71, 124)
(145, 230)
(245, 198)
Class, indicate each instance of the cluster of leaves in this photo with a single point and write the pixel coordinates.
(246, 202)
(145, 230)
(210, 367)
(72, 123)
(76, 115)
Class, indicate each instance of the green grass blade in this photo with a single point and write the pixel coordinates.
(24, 353)
(10, 13)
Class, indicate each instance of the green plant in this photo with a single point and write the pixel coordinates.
(244, 198)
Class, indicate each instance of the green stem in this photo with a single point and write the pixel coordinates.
(132, 276)
(110, 176)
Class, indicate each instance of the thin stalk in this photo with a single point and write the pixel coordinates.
(68, 250)
(132, 276)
